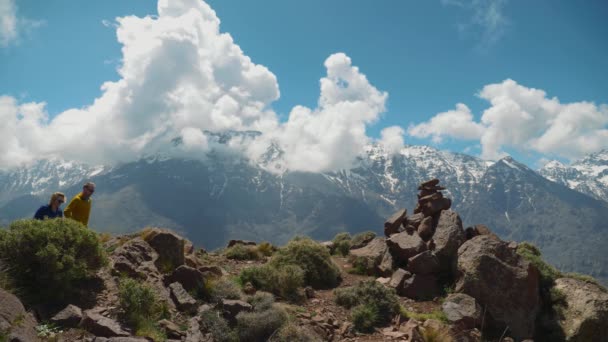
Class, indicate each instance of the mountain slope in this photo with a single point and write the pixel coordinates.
(588, 175)
(220, 198)
(517, 203)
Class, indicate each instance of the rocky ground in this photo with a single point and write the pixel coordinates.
(454, 284)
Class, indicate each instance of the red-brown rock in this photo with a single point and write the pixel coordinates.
(423, 263)
(404, 246)
(425, 229)
(503, 282)
(391, 226)
(420, 287)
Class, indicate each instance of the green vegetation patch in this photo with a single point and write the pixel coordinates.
(532, 254)
(372, 295)
(342, 243)
(283, 281)
(141, 308)
(50, 258)
(313, 258)
(243, 252)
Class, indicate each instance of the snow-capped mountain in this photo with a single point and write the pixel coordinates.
(395, 177)
(588, 175)
(44, 177)
(224, 197)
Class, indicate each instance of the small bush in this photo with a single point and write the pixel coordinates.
(548, 273)
(436, 314)
(140, 305)
(222, 288)
(313, 258)
(360, 238)
(261, 301)
(362, 266)
(364, 317)
(430, 334)
(266, 248)
(292, 333)
(50, 258)
(242, 252)
(213, 322)
(283, 281)
(259, 326)
(149, 329)
(342, 243)
(373, 294)
(136, 300)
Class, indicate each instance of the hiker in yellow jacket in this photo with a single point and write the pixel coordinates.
(80, 206)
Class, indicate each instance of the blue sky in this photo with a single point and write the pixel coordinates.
(427, 55)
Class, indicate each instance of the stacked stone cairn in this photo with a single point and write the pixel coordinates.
(424, 245)
(429, 251)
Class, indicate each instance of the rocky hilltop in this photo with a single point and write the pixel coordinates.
(428, 279)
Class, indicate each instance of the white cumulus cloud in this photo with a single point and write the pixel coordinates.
(456, 123)
(526, 119)
(391, 138)
(181, 76)
(12, 26)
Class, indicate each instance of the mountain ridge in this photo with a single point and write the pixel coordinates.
(217, 199)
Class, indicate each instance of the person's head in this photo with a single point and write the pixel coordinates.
(88, 189)
(57, 199)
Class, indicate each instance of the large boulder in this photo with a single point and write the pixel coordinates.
(134, 258)
(585, 312)
(99, 325)
(15, 322)
(462, 310)
(386, 266)
(501, 281)
(420, 287)
(431, 208)
(423, 263)
(404, 246)
(425, 229)
(398, 278)
(182, 299)
(69, 317)
(373, 252)
(191, 279)
(448, 237)
(415, 220)
(391, 226)
(169, 246)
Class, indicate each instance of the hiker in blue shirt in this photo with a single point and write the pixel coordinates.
(52, 210)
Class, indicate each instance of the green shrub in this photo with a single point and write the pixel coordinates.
(430, 334)
(370, 293)
(139, 302)
(50, 258)
(141, 308)
(266, 248)
(213, 322)
(283, 281)
(290, 332)
(149, 329)
(261, 301)
(242, 252)
(365, 317)
(531, 253)
(223, 288)
(362, 266)
(313, 258)
(259, 325)
(358, 239)
(342, 243)
(438, 315)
